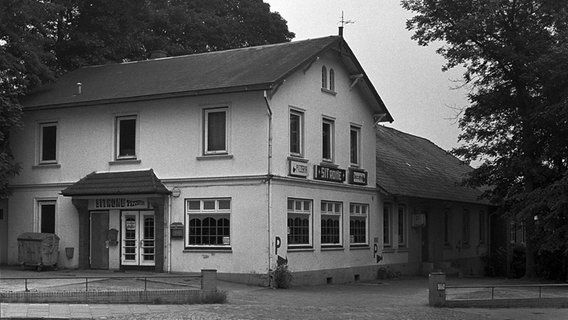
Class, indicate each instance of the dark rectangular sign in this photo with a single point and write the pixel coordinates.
(329, 174)
(357, 176)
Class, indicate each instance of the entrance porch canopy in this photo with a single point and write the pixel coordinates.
(117, 183)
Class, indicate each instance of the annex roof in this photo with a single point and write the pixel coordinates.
(117, 183)
(412, 166)
(237, 70)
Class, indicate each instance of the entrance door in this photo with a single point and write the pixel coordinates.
(138, 243)
(99, 245)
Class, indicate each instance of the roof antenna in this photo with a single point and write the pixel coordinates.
(343, 22)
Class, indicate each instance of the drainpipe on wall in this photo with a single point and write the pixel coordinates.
(268, 182)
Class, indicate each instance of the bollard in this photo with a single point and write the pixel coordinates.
(437, 289)
(209, 280)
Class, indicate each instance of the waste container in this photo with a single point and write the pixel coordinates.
(38, 249)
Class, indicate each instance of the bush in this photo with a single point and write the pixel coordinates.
(218, 296)
(282, 277)
(387, 273)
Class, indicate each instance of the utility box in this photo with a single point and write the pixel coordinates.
(176, 230)
(38, 249)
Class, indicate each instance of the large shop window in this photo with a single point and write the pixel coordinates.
(402, 226)
(355, 146)
(48, 143)
(216, 133)
(296, 133)
(209, 222)
(46, 216)
(328, 129)
(299, 222)
(331, 223)
(126, 137)
(358, 215)
(387, 218)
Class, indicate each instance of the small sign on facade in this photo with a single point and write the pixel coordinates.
(329, 174)
(298, 169)
(118, 203)
(358, 176)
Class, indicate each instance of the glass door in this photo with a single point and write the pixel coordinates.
(138, 243)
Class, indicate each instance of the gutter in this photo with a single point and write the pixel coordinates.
(269, 184)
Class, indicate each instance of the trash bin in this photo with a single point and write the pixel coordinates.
(38, 249)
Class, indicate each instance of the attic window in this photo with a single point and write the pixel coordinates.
(328, 80)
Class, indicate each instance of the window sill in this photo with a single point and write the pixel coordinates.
(297, 158)
(125, 161)
(402, 249)
(324, 90)
(332, 248)
(359, 247)
(215, 157)
(208, 249)
(388, 250)
(301, 249)
(47, 166)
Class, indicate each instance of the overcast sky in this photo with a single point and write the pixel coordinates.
(421, 98)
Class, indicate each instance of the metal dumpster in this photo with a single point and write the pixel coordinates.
(38, 249)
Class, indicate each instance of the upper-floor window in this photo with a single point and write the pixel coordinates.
(216, 133)
(296, 132)
(387, 226)
(299, 222)
(331, 79)
(48, 142)
(209, 222)
(331, 222)
(126, 137)
(355, 146)
(358, 215)
(402, 223)
(328, 132)
(46, 214)
(324, 77)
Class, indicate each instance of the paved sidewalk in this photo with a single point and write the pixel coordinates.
(389, 299)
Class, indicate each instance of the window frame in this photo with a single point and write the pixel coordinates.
(203, 213)
(331, 80)
(300, 134)
(42, 142)
(355, 150)
(331, 140)
(118, 139)
(336, 213)
(295, 213)
(387, 225)
(324, 77)
(206, 136)
(402, 226)
(354, 215)
(41, 203)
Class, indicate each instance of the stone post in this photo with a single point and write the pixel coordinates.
(437, 289)
(209, 280)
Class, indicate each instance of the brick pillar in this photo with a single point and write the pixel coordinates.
(437, 289)
(82, 207)
(208, 279)
(158, 206)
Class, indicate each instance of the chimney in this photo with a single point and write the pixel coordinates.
(341, 31)
(156, 54)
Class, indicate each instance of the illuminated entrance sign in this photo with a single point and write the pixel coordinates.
(118, 203)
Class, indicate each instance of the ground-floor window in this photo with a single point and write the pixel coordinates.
(331, 222)
(209, 222)
(299, 222)
(46, 210)
(358, 215)
(387, 225)
(402, 226)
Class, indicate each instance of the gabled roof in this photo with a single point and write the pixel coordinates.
(411, 166)
(117, 183)
(237, 70)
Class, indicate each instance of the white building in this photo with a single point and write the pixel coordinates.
(224, 160)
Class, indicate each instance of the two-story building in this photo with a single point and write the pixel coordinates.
(224, 160)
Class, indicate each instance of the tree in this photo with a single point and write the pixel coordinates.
(515, 54)
(42, 39)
